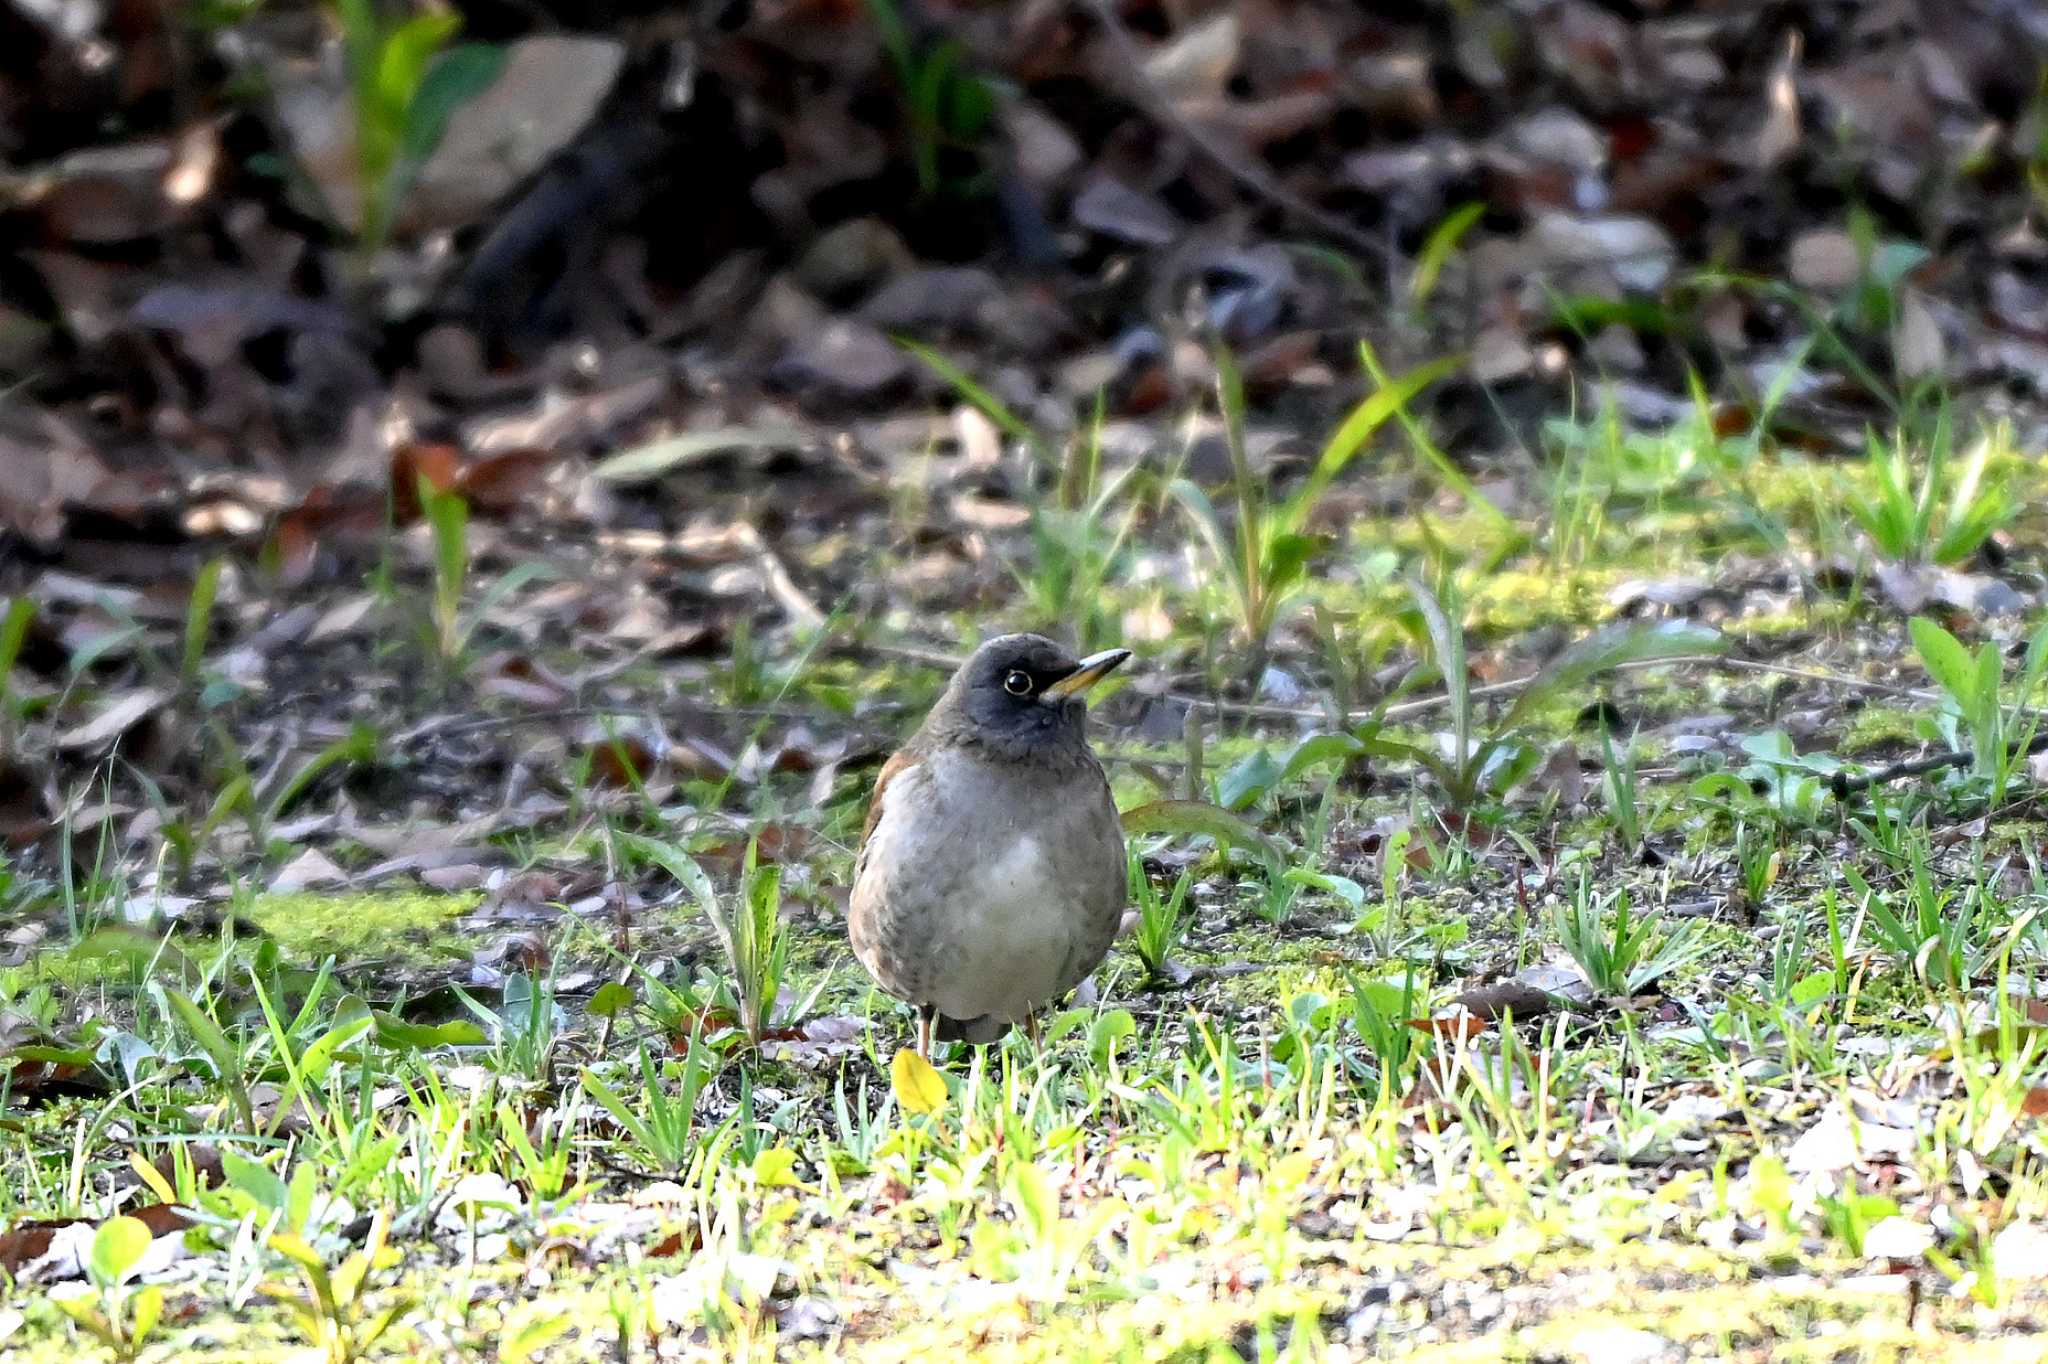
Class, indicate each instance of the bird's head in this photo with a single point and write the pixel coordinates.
(1023, 694)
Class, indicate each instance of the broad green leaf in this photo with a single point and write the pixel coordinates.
(148, 1308)
(318, 1059)
(1610, 648)
(680, 865)
(1811, 989)
(919, 1089)
(1343, 887)
(1317, 750)
(1250, 778)
(117, 1247)
(1112, 1027)
(611, 1000)
(1201, 818)
(401, 1035)
(255, 1179)
(1945, 659)
(456, 77)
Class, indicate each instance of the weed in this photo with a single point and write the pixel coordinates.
(1485, 766)
(121, 1319)
(1162, 920)
(1632, 955)
(1262, 554)
(663, 1129)
(333, 1309)
(1943, 513)
(406, 82)
(1999, 735)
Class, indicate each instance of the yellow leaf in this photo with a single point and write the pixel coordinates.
(918, 1087)
(153, 1177)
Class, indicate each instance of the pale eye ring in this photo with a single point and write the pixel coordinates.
(1018, 683)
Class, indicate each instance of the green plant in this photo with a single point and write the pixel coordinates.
(525, 1029)
(119, 1319)
(948, 109)
(405, 83)
(1943, 512)
(755, 946)
(1947, 936)
(663, 1128)
(1758, 860)
(1618, 785)
(1162, 920)
(333, 1308)
(1485, 765)
(451, 627)
(1975, 716)
(1262, 554)
(1381, 1014)
(1076, 547)
(1632, 955)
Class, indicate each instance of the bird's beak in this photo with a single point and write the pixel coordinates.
(1086, 674)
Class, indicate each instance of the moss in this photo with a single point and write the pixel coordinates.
(1880, 727)
(308, 925)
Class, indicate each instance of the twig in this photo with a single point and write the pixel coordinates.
(1844, 784)
(1239, 167)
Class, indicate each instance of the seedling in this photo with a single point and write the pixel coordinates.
(1999, 735)
(333, 1309)
(119, 1318)
(1632, 955)
(1162, 920)
(1262, 556)
(405, 83)
(1946, 510)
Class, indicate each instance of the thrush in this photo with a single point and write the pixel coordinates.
(991, 875)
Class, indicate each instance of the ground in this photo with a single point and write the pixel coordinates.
(440, 981)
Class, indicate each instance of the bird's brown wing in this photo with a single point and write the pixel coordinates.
(901, 761)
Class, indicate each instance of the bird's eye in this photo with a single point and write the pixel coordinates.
(1018, 683)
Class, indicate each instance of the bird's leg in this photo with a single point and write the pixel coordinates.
(927, 1024)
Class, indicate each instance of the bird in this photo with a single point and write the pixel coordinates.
(991, 876)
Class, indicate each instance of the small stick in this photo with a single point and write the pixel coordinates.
(1844, 784)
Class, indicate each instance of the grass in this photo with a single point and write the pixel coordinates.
(632, 1098)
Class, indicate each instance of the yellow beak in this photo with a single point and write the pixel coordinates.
(1092, 669)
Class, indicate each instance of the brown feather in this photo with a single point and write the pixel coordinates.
(901, 761)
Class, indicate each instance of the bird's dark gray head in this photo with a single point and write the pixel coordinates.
(1023, 695)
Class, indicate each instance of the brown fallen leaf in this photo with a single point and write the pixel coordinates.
(1457, 1025)
(1488, 1002)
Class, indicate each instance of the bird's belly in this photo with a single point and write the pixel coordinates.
(1009, 944)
